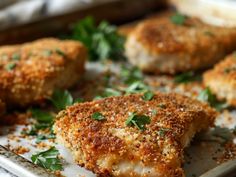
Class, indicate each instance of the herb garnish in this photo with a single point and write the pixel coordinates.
(178, 19)
(42, 116)
(131, 75)
(207, 96)
(102, 41)
(10, 66)
(147, 96)
(136, 87)
(61, 99)
(98, 116)
(138, 121)
(59, 52)
(162, 132)
(16, 56)
(187, 77)
(47, 52)
(48, 159)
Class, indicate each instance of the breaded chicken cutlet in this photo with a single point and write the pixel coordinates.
(127, 136)
(222, 79)
(29, 73)
(172, 43)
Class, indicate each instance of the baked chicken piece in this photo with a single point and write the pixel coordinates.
(222, 79)
(127, 136)
(172, 43)
(29, 73)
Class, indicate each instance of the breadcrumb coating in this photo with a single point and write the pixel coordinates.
(158, 45)
(30, 72)
(222, 79)
(111, 148)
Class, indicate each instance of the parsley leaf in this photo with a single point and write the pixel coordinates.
(42, 116)
(61, 99)
(98, 116)
(207, 96)
(162, 132)
(16, 56)
(187, 77)
(178, 19)
(138, 121)
(130, 75)
(47, 52)
(147, 96)
(48, 159)
(102, 41)
(136, 87)
(10, 66)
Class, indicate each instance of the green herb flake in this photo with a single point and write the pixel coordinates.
(47, 52)
(61, 99)
(130, 74)
(79, 100)
(178, 19)
(138, 121)
(42, 116)
(16, 56)
(136, 87)
(162, 132)
(10, 66)
(98, 116)
(154, 112)
(207, 96)
(102, 41)
(161, 105)
(147, 96)
(60, 52)
(187, 77)
(48, 159)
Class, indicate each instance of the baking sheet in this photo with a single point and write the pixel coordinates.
(199, 157)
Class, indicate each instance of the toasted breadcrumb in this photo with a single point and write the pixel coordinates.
(110, 147)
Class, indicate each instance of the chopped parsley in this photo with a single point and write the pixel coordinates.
(187, 77)
(61, 99)
(47, 52)
(161, 105)
(16, 56)
(78, 100)
(98, 116)
(42, 116)
(10, 66)
(136, 87)
(102, 41)
(138, 121)
(48, 159)
(178, 19)
(59, 52)
(147, 96)
(207, 96)
(130, 75)
(162, 132)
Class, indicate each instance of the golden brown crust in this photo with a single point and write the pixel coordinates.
(30, 72)
(222, 79)
(90, 140)
(195, 44)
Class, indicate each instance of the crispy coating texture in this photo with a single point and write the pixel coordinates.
(30, 72)
(222, 79)
(111, 148)
(158, 45)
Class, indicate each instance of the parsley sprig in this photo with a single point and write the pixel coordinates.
(207, 96)
(178, 19)
(102, 41)
(187, 77)
(48, 159)
(138, 121)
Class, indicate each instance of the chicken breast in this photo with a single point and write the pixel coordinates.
(30, 72)
(127, 136)
(172, 43)
(222, 79)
